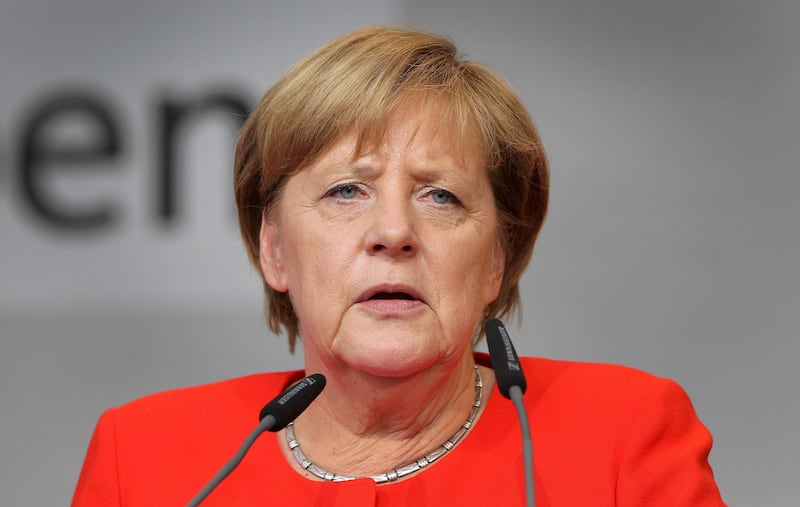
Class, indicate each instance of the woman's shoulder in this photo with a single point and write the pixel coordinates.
(162, 447)
(224, 399)
(539, 369)
(554, 369)
(592, 381)
(615, 396)
(599, 380)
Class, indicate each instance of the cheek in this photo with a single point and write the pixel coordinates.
(317, 271)
(469, 276)
(495, 276)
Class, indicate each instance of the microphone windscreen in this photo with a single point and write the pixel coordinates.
(293, 401)
(506, 365)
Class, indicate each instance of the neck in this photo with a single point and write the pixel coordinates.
(365, 425)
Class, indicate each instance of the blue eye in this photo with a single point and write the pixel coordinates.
(345, 191)
(441, 196)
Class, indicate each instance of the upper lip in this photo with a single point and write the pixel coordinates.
(390, 288)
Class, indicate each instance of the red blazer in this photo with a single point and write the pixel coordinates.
(602, 435)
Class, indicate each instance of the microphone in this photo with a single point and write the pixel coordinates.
(511, 384)
(292, 402)
(273, 417)
(505, 361)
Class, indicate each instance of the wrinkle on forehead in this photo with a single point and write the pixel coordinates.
(432, 119)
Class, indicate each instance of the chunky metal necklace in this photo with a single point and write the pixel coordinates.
(397, 473)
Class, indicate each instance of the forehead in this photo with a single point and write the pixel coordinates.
(423, 127)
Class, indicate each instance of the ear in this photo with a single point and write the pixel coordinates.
(270, 255)
(498, 269)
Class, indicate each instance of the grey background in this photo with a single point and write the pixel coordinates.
(672, 129)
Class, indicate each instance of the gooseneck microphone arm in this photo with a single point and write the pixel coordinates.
(511, 384)
(266, 424)
(515, 394)
(274, 417)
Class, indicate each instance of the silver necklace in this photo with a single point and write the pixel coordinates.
(397, 473)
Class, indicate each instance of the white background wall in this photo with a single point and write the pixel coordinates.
(672, 130)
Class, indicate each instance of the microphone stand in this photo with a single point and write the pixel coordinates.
(267, 423)
(515, 393)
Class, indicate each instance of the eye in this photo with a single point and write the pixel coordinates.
(345, 191)
(441, 196)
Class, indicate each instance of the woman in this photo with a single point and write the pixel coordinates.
(390, 195)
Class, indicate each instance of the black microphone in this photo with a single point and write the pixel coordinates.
(273, 417)
(505, 361)
(292, 402)
(511, 384)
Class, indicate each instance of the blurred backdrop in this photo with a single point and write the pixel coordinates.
(671, 245)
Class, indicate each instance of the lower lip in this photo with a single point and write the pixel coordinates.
(391, 306)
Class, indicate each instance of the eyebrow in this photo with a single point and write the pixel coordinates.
(362, 169)
(427, 171)
(420, 173)
(428, 175)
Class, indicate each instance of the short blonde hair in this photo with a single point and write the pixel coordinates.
(356, 83)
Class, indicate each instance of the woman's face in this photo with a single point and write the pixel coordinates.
(389, 258)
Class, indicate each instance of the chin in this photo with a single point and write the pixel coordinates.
(390, 362)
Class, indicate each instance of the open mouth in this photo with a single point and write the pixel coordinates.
(392, 295)
(391, 292)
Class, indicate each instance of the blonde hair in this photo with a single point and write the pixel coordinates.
(355, 83)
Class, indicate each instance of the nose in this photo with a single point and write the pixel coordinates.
(392, 229)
